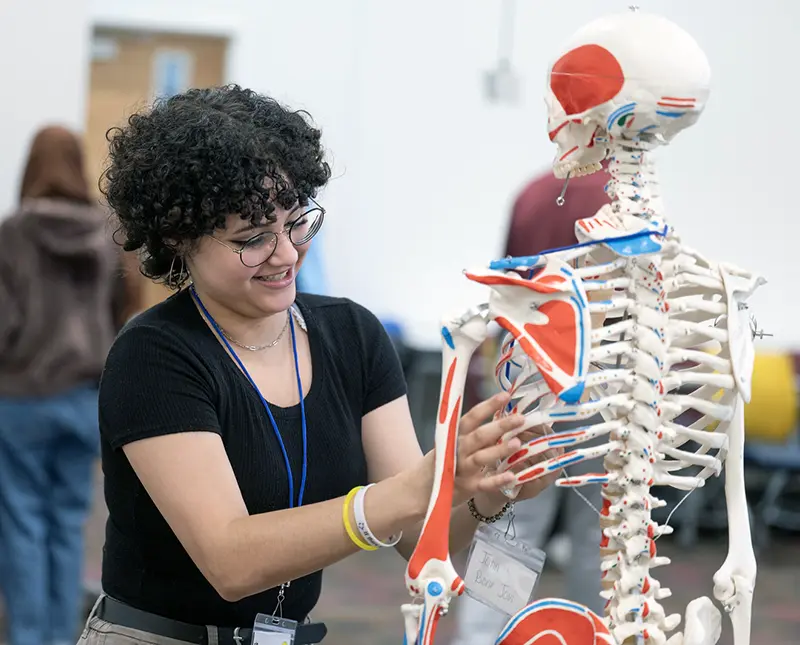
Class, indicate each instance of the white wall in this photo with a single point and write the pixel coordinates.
(425, 168)
(441, 164)
(43, 69)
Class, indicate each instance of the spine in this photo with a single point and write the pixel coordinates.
(628, 547)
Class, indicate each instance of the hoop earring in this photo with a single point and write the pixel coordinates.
(174, 281)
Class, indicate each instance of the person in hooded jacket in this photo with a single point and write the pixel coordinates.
(62, 300)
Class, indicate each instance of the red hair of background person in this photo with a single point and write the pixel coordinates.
(55, 167)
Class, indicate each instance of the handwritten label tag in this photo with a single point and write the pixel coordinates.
(502, 574)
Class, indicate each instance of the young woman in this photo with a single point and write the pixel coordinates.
(236, 416)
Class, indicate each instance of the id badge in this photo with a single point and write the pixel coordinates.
(273, 630)
(502, 572)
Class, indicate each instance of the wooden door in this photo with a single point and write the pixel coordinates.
(128, 70)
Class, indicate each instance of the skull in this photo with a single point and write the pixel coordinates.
(620, 77)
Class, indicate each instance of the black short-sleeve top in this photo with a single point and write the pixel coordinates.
(168, 373)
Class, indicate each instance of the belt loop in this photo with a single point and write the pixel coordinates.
(213, 634)
(92, 613)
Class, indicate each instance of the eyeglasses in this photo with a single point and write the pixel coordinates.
(259, 248)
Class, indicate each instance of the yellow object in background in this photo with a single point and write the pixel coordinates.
(772, 412)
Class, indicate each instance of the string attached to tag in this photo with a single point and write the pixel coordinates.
(278, 611)
(511, 530)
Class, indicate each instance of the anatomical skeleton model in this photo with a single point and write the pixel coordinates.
(629, 323)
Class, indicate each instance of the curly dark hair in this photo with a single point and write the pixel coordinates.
(177, 170)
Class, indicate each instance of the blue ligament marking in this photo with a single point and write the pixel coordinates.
(524, 261)
(448, 338)
(670, 115)
(566, 271)
(625, 109)
(577, 291)
(434, 588)
(561, 442)
(510, 262)
(581, 307)
(563, 414)
(560, 603)
(622, 246)
(569, 461)
(573, 394)
(647, 127)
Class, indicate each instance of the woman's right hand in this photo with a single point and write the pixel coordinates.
(478, 450)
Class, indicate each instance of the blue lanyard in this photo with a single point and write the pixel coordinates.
(266, 405)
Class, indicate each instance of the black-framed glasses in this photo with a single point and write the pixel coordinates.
(259, 248)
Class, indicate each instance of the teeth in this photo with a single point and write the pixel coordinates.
(561, 172)
(276, 277)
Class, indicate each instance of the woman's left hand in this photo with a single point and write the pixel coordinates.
(480, 449)
(493, 500)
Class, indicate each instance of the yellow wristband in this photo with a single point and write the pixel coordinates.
(346, 520)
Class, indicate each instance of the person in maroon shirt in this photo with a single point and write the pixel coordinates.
(538, 224)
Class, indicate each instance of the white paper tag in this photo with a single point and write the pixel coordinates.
(272, 638)
(497, 579)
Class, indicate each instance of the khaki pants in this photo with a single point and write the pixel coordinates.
(101, 632)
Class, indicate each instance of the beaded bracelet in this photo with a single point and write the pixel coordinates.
(492, 518)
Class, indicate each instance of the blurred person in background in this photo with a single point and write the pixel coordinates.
(538, 224)
(62, 298)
